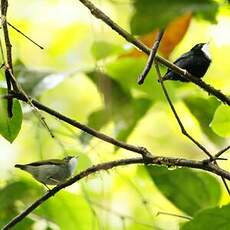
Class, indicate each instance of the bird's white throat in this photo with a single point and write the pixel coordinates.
(72, 165)
(205, 50)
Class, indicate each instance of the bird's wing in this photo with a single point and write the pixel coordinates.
(180, 60)
(50, 161)
(170, 75)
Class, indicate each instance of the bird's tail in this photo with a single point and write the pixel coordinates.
(20, 166)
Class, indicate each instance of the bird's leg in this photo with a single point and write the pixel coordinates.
(46, 186)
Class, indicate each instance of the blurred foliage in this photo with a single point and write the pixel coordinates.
(144, 20)
(173, 34)
(221, 123)
(198, 190)
(120, 107)
(89, 73)
(204, 114)
(219, 218)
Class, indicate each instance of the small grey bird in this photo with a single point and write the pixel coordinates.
(196, 62)
(52, 171)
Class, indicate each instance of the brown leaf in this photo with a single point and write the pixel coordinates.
(174, 33)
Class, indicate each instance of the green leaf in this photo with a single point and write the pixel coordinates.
(221, 121)
(130, 115)
(36, 82)
(190, 191)
(23, 191)
(68, 211)
(203, 110)
(147, 17)
(96, 120)
(102, 49)
(126, 71)
(10, 127)
(211, 219)
(120, 107)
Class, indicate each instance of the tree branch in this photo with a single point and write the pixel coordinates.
(183, 130)
(141, 150)
(127, 36)
(24, 35)
(152, 55)
(167, 161)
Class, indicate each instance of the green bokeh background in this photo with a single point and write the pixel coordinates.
(62, 76)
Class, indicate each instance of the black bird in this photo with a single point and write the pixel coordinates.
(196, 62)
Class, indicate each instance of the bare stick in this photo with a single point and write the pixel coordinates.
(20, 32)
(127, 36)
(4, 6)
(175, 215)
(183, 130)
(152, 55)
(222, 151)
(143, 151)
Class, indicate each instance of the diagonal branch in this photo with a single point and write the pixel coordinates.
(144, 152)
(222, 151)
(152, 55)
(24, 35)
(127, 36)
(183, 130)
(167, 161)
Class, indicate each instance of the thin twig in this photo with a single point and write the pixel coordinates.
(20, 32)
(151, 57)
(4, 6)
(127, 36)
(183, 130)
(225, 185)
(222, 151)
(167, 161)
(35, 110)
(144, 152)
(9, 74)
(2, 54)
(175, 215)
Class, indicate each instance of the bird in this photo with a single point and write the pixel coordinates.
(52, 171)
(196, 62)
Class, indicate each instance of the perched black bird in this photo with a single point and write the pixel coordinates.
(196, 62)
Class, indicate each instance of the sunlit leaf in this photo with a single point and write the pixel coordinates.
(190, 191)
(102, 49)
(21, 192)
(120, 107)
(67, 211)
(221, 121)
(126, 71)
(211, 219)
(10, 127)
(147, 17)
(173, 34)
(204, 114)
(96, 120)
